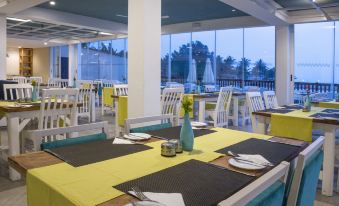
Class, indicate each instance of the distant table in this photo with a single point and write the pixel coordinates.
(17, 119)
(329, 126)
(213, 97)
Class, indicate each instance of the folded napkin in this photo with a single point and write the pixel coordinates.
(164, 199)
(255, 158)
(122, 141)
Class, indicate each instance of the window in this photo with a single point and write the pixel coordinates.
(59, 62)
(180, 56)
(229, 53)
(165, 59)
(203, 53)
(259, 54)
(314, 57)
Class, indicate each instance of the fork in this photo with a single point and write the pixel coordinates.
(141, 195)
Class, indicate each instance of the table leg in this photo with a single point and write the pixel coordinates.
(74, 121)
(93, 107)
(202, 110)
(259, 124)
(235, 111)
(13, 143)
(117, 129)
(328, 163)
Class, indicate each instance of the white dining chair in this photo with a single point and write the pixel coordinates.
(88, 132)
(270, 99)
(84, 84)
(255, 103)
(144, 124)
(20, 80)
(221, 112)
(57, 83)
(36, 79)
(56, 105)
(85, 99)
(268, 187)
(17, 91)
(304, 183)
(120, 90)
(171, 102)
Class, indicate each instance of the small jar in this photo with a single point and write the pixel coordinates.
(178, 145)
(168, 149)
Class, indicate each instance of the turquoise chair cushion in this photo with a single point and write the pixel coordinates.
(150, 128)
(309, 180)
(272, 196)
(73, 141)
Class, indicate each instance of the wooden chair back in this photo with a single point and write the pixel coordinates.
(120, 90)
(170, 102)
(162, 119)
(20, 80)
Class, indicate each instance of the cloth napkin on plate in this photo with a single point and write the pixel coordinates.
(255, 158)
(164, 199)
(122, 141)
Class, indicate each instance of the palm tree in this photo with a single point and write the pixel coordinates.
(243, 68)
(259, 70)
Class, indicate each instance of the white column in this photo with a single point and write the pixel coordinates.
(72, 62)
(284, 47)
(3, 47)
(144, 32)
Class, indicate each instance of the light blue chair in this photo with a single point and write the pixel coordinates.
(146, 124)
(304, 182)
(100, 133)
(267, 190)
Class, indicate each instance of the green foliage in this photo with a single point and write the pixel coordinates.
(187, 104)
(34, 83)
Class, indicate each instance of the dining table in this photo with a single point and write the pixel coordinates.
(17, 116)
(323, 119)
(76, 178)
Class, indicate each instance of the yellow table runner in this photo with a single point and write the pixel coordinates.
(62, 184)
(122, 110)
(107, 93)
(296, 124)
(334, 105)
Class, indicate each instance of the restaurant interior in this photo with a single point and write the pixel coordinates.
(169, 102)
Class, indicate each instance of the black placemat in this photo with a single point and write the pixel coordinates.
(325, 115)
(92, 152)
(295, 107)
(281, 111)
(330, 111)
(174, 132)
(198, 182)
(273, 151)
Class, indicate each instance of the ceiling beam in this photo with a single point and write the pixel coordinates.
(14, 6)
(74, 20)
(253, 8)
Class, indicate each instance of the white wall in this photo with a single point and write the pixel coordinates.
(41, 63)
(12, 61)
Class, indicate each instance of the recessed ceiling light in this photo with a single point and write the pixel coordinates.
(52, 3)
(314, 0)
(19, 47)
(105, 33)
(45, 43)
(17, 19)
(234, 10)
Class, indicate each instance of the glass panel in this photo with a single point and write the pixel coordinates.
(118, 60)
(165, 52)
(203, 52)
(259, 57)
(336, 71)
(180, 57)
(314, 57)
(229, 51)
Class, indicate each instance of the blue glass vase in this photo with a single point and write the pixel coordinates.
(34, 94)
(186, 134)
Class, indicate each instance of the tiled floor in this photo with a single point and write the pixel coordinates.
(14, 193)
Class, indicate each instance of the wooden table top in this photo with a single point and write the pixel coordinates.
(22, 163)
(265, 113)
